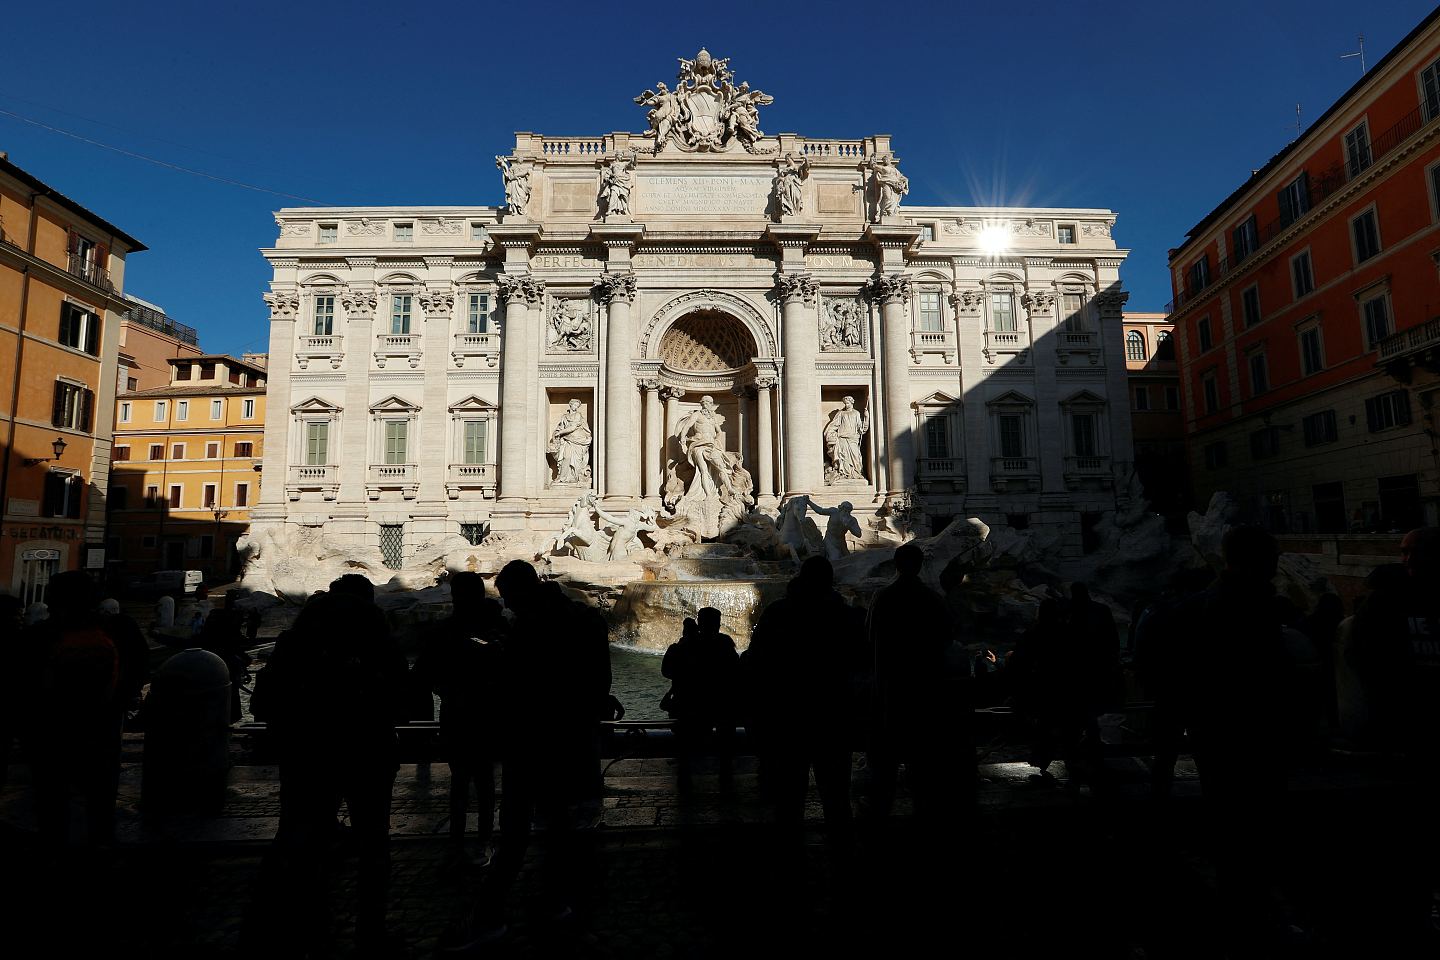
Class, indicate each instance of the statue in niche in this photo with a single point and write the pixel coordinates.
(592, 534)
(517, 187)
(569, 447)
(889, 186)
(570, 325)
(616, 181)
(719, 492)
(840, 326)
(842, 443)
(789, 201)
(840, 522)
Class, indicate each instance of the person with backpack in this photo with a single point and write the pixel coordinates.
(78, 679)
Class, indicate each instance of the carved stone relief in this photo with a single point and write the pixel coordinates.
(842, 323)
(571, 324)
(706, 111)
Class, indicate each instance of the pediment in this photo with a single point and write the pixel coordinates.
(315, 405)
(393, 404)
(472, 404)
(1011, 398)
(1083, 397)
(938, 399)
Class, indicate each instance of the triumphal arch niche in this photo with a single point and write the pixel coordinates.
(694, 322)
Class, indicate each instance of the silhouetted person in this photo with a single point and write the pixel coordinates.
(1098, 680)
(557, 682)
(462, 661)
(77, 680)
(12, 616)
(799, 669)
(1041, 675)
(917, 705)
(330, 694)
(704, 673)
(222, 635)
(1322, 626)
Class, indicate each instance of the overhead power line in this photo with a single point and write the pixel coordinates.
(161, 163)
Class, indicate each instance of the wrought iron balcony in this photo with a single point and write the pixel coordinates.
(90, 271)
(324, 478)
(485, 346)
(329, 347)
(471, 476)
(401, 346)
(933, 341)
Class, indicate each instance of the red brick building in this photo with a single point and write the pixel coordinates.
(1307, 315)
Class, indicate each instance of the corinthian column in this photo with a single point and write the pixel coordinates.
(765, 447)
(429, 455)
(801, 394)
(653, 440)
(893, 292)
(514, 385)
(618, 289)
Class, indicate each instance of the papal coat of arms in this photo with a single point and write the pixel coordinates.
(706, 111)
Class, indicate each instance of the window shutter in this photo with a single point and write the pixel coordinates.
(87, 409)
(53, 505)
(1372, 414)
(74, 488)
(70, 243)
(57, 412)
(1402, 407)
(1287, 211)
(92, 335)
(1304, 192)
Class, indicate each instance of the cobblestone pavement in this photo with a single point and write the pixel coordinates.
(699, 873)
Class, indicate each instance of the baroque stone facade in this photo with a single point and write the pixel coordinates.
(438, 370)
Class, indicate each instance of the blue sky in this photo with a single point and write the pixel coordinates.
(1156, 110)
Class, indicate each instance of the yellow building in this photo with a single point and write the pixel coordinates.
(61, 271)
(187, 467)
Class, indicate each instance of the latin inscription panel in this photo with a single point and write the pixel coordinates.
(745, 196)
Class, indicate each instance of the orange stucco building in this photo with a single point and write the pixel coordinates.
(1307, 316)
(61, 274)
(1153, 371)
(149, 339)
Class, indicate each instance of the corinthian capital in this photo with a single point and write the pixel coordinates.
(534, 291)
(617, 286)
(1038, 303)
(437, 303)
(1111, 302)
(891, 288)
(797, 286)
(510, 287)
(967, 301)
(283, 306)
(359, 304)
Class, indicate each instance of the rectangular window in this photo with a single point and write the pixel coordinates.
(212, 451)
(329, 233)
(324, 316)
(397, 434)
(132, 384)
(478, 317)
(1202, 331)
(404, 231)
(1430, 91)
(317, 443)
(1329, 503)
(477, 231)
(242, 494)
(175, 491)
(1319, 428)
(1082, 431)
(152, 496)
(244, 448)
(182, 409)
(930, 312)
(1357, 149)
(1065, 233)
(937, 438)
(1212, 393)
(1250, 306)
(1376, 312)
(182, 371)
(121, 454)
(79, 328)
(1002, 312)
(400, 313)
(1172, 398)
(125, 412)
(1311, 358)
(927, 231)
(247, 408)
(1366, 231)
(1265, 442)
(177, 451)
(1012, 435)
(63, 493)
(157, 451)
(1245, 239)
(1435, 190)
(1259, 373)
(1301, 274)
(392, 544)
(217, 409)
(208, 496)
(207, 371)
(1072, 308)
(1294, 199)
(1388, 410)
(473, 533)
(1215, 455)
(72, 406)
(159, 411)
(475, 441)
(1142, 398)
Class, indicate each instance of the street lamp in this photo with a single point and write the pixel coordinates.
(58, 446)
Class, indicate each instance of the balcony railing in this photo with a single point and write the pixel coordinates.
(392, 476)
(1013, 467)
(159, 322)
(1321, 186)
(933, 341)
(471, 476)
(942, 467)
(404, 346)
(1005, 341)
(485, 345)
(322, 477)
(323, 347)
(1087, 466)
(90, 271)
(1424, 336)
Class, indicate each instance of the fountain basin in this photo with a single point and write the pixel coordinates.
(650, 614)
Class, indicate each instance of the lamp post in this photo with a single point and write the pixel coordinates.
(58, 447)
(219, 514)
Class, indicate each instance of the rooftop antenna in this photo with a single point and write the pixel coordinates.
(1297, 121)
(1359, 53)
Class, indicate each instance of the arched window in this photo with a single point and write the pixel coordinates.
(1164, 347)
(1134, 345)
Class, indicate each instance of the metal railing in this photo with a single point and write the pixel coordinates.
(1321, 187)
(1425, 335)
(160, 323)
(89, 271)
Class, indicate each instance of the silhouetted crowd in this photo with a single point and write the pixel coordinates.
(1239, 677)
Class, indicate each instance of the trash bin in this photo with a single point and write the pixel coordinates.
(187, 735)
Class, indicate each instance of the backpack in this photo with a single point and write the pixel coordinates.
(83, 669)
